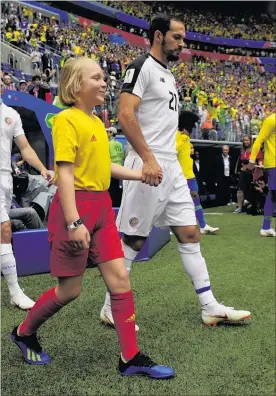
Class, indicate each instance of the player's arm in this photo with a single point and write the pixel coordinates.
(186, 162)
(265, 132)
(136, 81)
(129, 104)
(28, 153)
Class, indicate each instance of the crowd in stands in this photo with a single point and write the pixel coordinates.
(250, 27)
(231, 98)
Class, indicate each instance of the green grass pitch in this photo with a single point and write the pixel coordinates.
(227, 360)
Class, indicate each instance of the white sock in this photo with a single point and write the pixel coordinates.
(130, 255)
(8, 269)
(195, 267)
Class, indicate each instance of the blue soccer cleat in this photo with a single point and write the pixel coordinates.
(30, 348)
(143, 365)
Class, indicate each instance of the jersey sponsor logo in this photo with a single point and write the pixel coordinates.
(8, 120)
(133, 222)
(129, 76)
(93, 138)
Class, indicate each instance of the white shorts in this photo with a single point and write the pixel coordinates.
(143, 206)
(6, 192)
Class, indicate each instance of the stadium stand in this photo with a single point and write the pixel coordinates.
(236, 93)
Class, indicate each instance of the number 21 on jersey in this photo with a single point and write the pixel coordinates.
(173, 101)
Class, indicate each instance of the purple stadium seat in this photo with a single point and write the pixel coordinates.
(6, 68)
(32, 254)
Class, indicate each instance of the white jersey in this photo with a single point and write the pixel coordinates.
(157, 114)
(11, 127)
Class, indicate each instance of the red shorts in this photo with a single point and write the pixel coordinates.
(95, 210)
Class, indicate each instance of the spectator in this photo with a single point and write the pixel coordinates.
(24, 218)
(23, 87)
(36, 59)
(206, 125)
(8, 84)
(37, 89)
(45, 60)
(224, 171)
(198, 172)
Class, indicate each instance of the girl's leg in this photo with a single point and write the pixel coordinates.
(116, 279)
(51, 302)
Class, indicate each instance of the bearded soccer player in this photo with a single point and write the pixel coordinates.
(186, 124)
(267, 136)
(149, 118)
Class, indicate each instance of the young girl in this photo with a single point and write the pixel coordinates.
(81, 222)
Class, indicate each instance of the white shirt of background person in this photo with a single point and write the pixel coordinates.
(35, 55)
(226, 165)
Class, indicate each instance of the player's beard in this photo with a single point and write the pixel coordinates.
(169, 54)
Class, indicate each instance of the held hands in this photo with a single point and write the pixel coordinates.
(151, 172)
(48, 175)
(250, 166)
(79, 238)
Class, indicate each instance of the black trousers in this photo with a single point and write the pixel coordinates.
(115, 193)
(223, 191)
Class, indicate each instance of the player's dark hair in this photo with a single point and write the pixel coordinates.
(187, 121)
(161, 22)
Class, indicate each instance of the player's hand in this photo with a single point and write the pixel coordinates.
(151, 172)
(48, 175)
(250, 166)
(79, 238)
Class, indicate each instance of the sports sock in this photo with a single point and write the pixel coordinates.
(8, 268)
(45, 307)
(195, 267)
(268, 212)
(199, 212)
(123, 313)
(130, 255)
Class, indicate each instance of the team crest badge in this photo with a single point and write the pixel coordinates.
(8, 120)
(133, 221)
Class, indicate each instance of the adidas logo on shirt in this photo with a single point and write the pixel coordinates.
(93, 138)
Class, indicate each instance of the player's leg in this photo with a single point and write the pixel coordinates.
(180, 214)
(48, 304)
(270, 205)
(8, 264)
(204, 227)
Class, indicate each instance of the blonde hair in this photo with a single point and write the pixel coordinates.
(70, 80)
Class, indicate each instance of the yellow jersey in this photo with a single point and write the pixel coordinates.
(82, 141)
(183, 149)
(267, 136)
